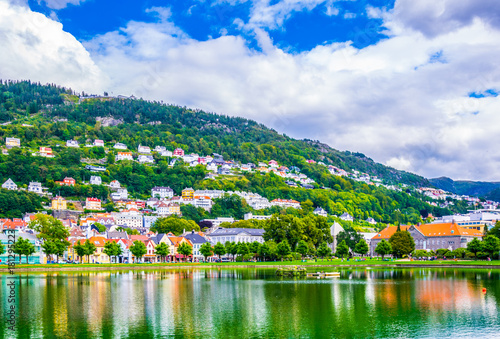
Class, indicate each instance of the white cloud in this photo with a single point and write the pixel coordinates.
(388, 100)
(35, 47)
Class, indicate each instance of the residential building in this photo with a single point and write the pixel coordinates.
(197, 241)
(247, 235)
(144, 149)
(6, 239)
(35, 187)
(98, 143)
(12, 142)
(320, 211)
(285, 203)
(164, 208)
(217, 222)
(66, 182)
(203, 202)
(162, 192)
(46, 152)
(146, 159)
(149, 221)
(95, 180)
(187, 193)
(166, 153)
(124, 156)
(97, 257)
(120, 194)
(131, 218)
(160, 149)
(114, 184)
(371, 221)
(212, 194)
(178, 152)
(93, 204)
(10, 185)
(250, 216)
(59, 203)
(346, 217)
(176, 241)
(72, 143)
(119, 145)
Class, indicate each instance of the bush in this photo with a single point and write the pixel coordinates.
(441, 252)
(239, 258)
(247, 257)
(296, 256)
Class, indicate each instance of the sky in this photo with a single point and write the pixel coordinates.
(411, 84)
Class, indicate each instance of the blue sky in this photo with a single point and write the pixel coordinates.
(202, 20)
(411, 84)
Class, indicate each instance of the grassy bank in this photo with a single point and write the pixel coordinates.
(310, 263)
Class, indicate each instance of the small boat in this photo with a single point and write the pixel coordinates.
(324, 275)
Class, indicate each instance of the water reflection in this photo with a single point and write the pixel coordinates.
(240, 303)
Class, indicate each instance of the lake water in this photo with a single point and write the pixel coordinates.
(253, 303)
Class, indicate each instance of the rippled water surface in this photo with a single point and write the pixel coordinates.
(253, 303)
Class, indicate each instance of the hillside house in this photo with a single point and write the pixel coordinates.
(9, 185)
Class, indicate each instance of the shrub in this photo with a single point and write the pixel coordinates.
(239, 258)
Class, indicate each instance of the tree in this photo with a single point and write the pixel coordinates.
(138, 249)
(284, 249)
(233, 249)
(491, 244)
(350, 236)
(302, 248)
(324, 250)
(475, 246)
(24, 247)
(80, 250)
(100, 227)
(206, 250)
(495, 230)
(162, 250)
(112, 249)
(49, 247)
(361, 247)
(219, 249)
(2, 248)
(185, 249)
(254, 247)
(342, 249)
(402, 243)
(264, 250)
(243, 248)
(383, 248)
(53, 232)
(174, 224)
(89, 248)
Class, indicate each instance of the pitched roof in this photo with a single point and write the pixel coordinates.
(235, 231)
(446, 229)
(195, 238)
(387, 232)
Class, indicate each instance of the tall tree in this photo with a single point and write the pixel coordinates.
(475, 246)
(342, 249)
(402, 243)
(138, 249)
(302, 248)
(284, 249)
(383, 248)
(185, 250)
(162, 250)
(90, 249)
(361, 247)
(219, 249)
(491, 244)
(324, 250)
(206, 250)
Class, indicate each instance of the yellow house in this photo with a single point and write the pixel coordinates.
(188, 193)
(98, 256)
(59, 203)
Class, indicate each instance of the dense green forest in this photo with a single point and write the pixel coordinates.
(49, 116)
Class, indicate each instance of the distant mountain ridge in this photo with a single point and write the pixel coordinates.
(465, 187)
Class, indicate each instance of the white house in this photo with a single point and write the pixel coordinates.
(12, 142)
(162, 192)
(166, 153)
(320, 211)
(119, 145)
(35, 187)
(247, 235)
(124, 156)
(72, 143)
(98, 143)
(10, 185)
(285, 203)
(346, 216)
(203, 202)
(114, 184)
(95, 180)
(250, 216)
(120, 194)
(146, 159)
(160, 149)
(144, 149)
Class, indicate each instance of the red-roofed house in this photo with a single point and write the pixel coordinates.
(93, 204)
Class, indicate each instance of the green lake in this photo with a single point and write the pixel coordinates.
(253, 303)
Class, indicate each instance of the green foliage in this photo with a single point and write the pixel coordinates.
(138, 249)
(402, 243)
(475, 246)
(383, 248)
(219, 249)
(243, 248)
(162, 250)
(420, 254)
(2, 248)
(311, 228)
(206, 250)
(112, 249)
(284, 248)
(14, 204)
(100, 227)
(361, 247)
(174, 224)
(350, 236)
(491, 244)
(342, 249)
(185, 249)
(89, 248)
(324, 250)
(23, 247)
(302, 247)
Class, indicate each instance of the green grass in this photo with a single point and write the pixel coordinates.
(319, 262)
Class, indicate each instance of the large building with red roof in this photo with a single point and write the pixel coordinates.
(431, 236)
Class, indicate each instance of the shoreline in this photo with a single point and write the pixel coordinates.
(84, 267)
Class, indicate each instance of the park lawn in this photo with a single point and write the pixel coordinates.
(312, 262)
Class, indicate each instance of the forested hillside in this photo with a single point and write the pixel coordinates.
(48, 116)
(463, 187)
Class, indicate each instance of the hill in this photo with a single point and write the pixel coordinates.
(48, 116)
(463, 187)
